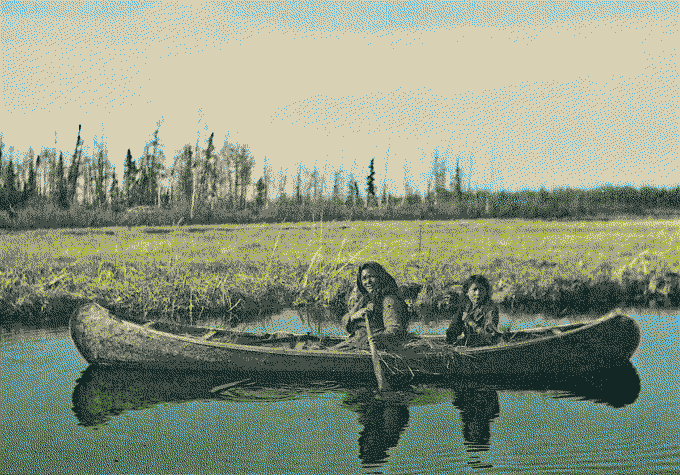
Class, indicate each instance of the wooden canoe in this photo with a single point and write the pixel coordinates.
(104, 339)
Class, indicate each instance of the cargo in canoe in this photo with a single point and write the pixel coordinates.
(107, 340)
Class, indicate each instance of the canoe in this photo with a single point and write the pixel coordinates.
(107, 340)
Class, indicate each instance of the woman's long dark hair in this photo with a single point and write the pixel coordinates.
(386, 283)
(481, 281)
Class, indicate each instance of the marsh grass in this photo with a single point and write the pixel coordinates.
(230, 275)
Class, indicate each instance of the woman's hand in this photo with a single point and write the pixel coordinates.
(358, 315)
(361, 314)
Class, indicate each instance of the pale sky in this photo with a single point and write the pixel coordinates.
(526, 94)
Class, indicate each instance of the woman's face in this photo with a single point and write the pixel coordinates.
(476, 294)
(369, 279)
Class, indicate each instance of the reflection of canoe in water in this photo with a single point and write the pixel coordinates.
(102, 392)
(104, 339)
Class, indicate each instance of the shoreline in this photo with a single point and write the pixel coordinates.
(239, 274)
(19, 332)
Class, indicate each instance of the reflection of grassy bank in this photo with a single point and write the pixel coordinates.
(237, 274)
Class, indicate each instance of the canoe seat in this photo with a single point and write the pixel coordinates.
(208, 335)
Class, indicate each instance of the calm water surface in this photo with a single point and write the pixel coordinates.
(59, 416)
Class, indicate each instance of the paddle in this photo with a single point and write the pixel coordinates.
(382, 384)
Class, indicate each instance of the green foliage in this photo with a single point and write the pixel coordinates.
(73, 172)
(457, 183)
(233, 274)
(62, 187)
(115, 193)
(130, 187)
(260, 188)
(183, 169)
(370, 184)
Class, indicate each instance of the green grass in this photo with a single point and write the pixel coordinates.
(231, 274)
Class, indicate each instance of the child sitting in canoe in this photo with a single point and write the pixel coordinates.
(375, 294)
(475, 323)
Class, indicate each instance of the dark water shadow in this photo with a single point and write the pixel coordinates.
(103, 393)
(383, 421)
(616, 386)
(157, 231)
(478, 408)
(478, 401)
(88, 232)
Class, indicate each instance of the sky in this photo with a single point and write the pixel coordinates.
(521, 94)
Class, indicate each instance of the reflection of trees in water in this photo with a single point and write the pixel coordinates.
(383, 422)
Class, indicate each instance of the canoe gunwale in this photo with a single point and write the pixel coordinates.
(540, 339)
(329, 352)
(253, 348)
(146, 329)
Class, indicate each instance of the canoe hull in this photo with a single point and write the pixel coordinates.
(601, 343)
(106, 340)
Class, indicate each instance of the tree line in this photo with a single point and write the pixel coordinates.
(197, 176)
(210, 185)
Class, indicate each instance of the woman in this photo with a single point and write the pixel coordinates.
(376, 294)
(476, 322)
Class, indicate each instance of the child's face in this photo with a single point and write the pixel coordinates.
(476, 294)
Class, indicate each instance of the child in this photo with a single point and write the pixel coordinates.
(476, 321)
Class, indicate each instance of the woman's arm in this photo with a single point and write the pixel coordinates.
(355, 303)
(394, 315)
(456, 326)
(492, 320)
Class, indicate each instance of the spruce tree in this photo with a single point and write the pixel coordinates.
(246, 167)
(185, 174)
(357, 195)
(114, 191)
(100, 168)
(210, 171)
(370, 182)
(74, 171)
(457, 183)
(130, 181)
(30, 190)
(11, 191)
(260, 187)
(3, 203)
(62, 190)
(298, 186)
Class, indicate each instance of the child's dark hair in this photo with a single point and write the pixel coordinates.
(481, 281)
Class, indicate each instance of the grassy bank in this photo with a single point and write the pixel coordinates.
(231, 274)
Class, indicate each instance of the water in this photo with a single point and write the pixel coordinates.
(58, 416)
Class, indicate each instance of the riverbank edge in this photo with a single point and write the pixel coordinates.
(24, 305)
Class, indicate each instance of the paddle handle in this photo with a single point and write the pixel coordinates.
(377, 369)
